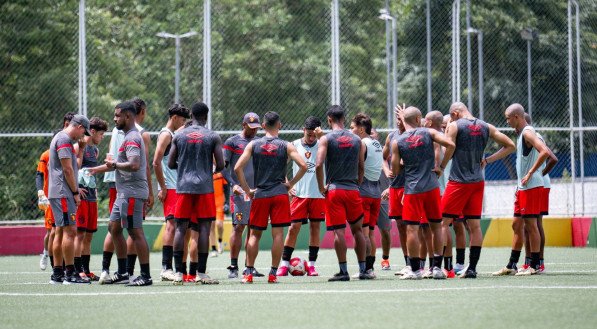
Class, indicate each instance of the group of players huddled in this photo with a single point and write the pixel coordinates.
(428, 176)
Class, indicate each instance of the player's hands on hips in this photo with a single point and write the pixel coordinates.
(292, 192)
(162, 195)
(388, 172)
(77, 199)
(323, 190)
(83, 192)
(251, 193)
(525, 179)
(438, 171)
(385, 194)
(237, 190)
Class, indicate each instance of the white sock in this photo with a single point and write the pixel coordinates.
(45, 253)
(286, 263)
(311, 263)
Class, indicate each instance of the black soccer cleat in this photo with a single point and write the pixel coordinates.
(75, 278)
(339, 277)
(469, 274)
(56, 279)
(140, 281)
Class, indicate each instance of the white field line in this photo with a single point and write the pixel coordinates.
(291, 291)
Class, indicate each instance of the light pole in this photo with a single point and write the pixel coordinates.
(385, 15)
(177, 38)
(529, 35)
(480, 69)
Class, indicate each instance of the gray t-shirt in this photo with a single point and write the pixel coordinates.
(195, 145)
(132, 184)
(471, 140)
(342, 160)
(62, 147)
(90, 155)
(398, 181)
(233, 149)
(270, 157)
(416, 150)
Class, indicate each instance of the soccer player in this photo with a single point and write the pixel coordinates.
(307, 205)
(422, 202)
(220, 185)
(41, 183)
(132, 192)
(369, 189)
(166, 177)
(269, 155)
(383, 220)
(63, 193)
(545, 170)
(531, 154)
(464, 191)
(109, 177)
(87, 210)
(343, 154)
(193, 152)
(241, 203)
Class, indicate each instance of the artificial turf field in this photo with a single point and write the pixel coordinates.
(564, 297)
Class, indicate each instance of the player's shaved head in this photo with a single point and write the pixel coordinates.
(435, 118)
(515, 109)
(528, 119)
(411, 114)
(458, 107)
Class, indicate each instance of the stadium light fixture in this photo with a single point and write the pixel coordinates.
(177, 38)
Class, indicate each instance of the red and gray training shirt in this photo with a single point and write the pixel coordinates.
(62, 147)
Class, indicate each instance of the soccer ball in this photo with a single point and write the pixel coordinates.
(298, 266)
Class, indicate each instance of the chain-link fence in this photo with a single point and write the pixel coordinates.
(278, 55)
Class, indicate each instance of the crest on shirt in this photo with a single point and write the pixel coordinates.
(475, 130)
(344, 141)
(239, 216)
(269, 149)
(308, 155)
(195, 137)
(73, 217)
(414, 141)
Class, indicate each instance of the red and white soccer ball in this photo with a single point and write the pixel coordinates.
(298, 266)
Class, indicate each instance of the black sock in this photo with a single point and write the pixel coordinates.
(70, 270)
(407, 260)
(369, 261)
(52, 261)
(313, 252)
(167, 252)
(437, 261)
(234, 262)
(193, 268)
(287, 253)
(460, 255)
(178, 260)
(415, 263)
(527, 261)
(58, 271)
(145, 270)
(78, 264)
(184, 268)
(432, 261)
(385, 257)
(273, 271)
(106, 260)
(535, 260)
(121, 265)
(514, 257)
(130, 263)
(474, 255)
(85, 259)
(202, 265)
(220, 240)
(213, 248)
(448, 263)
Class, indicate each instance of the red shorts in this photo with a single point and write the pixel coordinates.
(49, 218)
(195, 207)
(464, 199)
(395, 202)
(545, 202)
(112, 195)
(342, 206)
(527, 203)
(87, 216)
(275, 208)
(422, 208)
(304, 209)
(371, 207)
(170, 203)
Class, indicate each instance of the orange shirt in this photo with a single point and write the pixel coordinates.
(42, 167)
(219, 183)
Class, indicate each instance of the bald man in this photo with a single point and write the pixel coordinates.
(422, 202)
(466, 184)
(531, 153)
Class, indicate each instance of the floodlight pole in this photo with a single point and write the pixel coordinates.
(82, 61)
(393, 86)
(177, 38)
(480, 68)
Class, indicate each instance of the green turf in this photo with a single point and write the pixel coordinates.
(564, 297)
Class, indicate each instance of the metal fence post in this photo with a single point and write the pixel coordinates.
(207, 58)
(570, 110)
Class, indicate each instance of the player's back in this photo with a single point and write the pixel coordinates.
(195, 146)
(471, 140)
(417, 152)
(342, 159)
(270, 157)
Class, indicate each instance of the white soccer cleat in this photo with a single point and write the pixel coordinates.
(177, 279)
(526, 271)
(203, 278)
(438, 273)
(213, 253)
(43, 262)
(504, 271)
(459, 268)
(410, 275)
(105, 278)
(427, 274)
(167, 275)
(403, 271)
